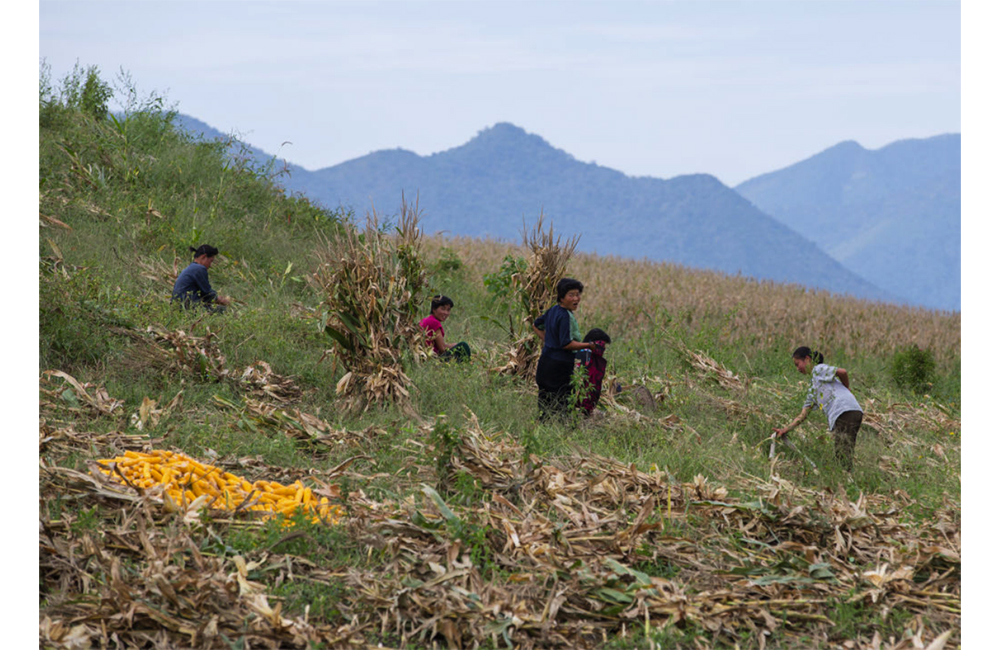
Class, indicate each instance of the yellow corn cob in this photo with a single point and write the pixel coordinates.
(184, 479)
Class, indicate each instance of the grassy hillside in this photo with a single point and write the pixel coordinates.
(457, 520)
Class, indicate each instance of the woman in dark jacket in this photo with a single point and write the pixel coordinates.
(192, 286)
(560, 332)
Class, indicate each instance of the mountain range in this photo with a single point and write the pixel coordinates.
(891, 215)
(504, 177)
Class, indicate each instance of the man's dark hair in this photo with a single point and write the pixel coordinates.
(440, 301)
(597, 334)
(566, 285)
(204, 249)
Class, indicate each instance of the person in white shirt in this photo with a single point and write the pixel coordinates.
(830, 390)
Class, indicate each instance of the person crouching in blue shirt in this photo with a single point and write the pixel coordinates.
(560, 332)
(192, 286)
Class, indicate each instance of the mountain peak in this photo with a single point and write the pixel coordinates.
(504, 140)
(505, 131)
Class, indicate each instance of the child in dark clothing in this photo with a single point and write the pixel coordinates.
(595, 364)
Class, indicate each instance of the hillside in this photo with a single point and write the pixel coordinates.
(892, 215)
(204, 480)
(504, 177)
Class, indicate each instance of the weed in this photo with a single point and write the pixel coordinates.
(912, 368)
(443, 440)
(475, 541)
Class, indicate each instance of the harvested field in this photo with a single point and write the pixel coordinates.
(561, 552)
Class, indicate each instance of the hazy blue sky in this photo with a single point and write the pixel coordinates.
(734, 89)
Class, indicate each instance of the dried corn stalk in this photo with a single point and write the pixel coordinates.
(712, 369)
(73, 397)
(180, 351)
(158, 271)
(372, 285)
(536, 290)
(261, 381)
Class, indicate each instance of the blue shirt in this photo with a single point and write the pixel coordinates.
(557, 323)
(192, 286)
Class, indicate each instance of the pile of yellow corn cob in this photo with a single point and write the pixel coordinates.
(184, 480)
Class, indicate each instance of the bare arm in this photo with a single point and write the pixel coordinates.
(577, 345)
(796, 422)
(439, 344)
(842, 375)
(539, 333)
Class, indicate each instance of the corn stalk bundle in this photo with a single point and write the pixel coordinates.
(536, 292)
(372, 285)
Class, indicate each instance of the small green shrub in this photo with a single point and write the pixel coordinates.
(501, 284)
(84, 90)
(913, 368)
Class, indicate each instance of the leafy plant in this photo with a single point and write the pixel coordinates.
(444, 439)
(448, 262)
(84, 90)
(500, 284)
(913, 368)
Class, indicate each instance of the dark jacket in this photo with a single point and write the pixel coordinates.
(192, 286)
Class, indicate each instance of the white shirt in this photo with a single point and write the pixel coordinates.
(829, 394)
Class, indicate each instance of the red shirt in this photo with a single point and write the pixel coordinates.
(433, 326)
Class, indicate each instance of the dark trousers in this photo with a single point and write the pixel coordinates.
(845, 435)
(553, 377)
(460, 352)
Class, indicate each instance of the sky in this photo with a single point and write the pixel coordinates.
(729, 88)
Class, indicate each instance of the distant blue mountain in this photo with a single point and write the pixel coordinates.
(892, 215)
(504, 177)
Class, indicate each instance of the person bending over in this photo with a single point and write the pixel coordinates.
(830, 390)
